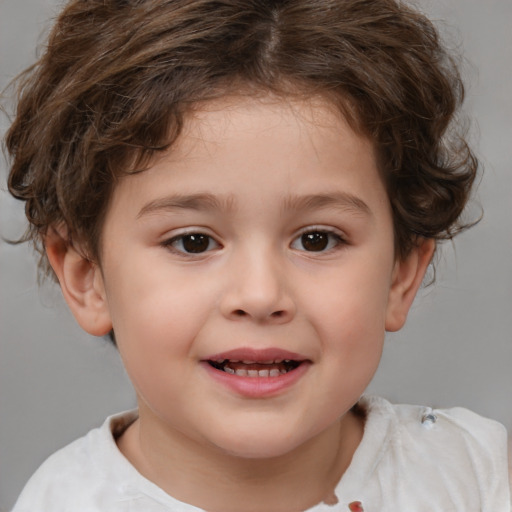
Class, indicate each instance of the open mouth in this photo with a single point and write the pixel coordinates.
(245, 368)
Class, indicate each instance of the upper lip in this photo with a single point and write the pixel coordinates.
(256, 355)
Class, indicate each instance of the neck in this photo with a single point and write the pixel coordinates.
(295, 481)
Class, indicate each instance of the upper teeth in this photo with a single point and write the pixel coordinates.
(248, 361)
(251, 368)
(274, 372)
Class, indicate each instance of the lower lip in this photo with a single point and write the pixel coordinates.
(257, 387)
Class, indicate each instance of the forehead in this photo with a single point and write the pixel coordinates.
(257, 114)
(239, 146)
(269, 124)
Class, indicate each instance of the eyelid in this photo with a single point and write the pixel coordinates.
(169, 241)
(342, 239)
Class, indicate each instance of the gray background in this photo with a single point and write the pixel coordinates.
(56, 382)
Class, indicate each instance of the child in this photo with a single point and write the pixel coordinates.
(245, 195)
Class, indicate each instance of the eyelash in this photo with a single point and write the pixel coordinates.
(201, 238)
(332, 242)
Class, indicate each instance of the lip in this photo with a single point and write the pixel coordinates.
(257, 387)
(257, 355)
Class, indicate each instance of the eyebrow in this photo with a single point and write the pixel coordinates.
(208, 202)
(337, 200)
(200, 202)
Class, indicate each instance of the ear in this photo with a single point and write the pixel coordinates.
(407, 278)
(81, 283)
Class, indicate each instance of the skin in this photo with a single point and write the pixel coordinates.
(272, 171)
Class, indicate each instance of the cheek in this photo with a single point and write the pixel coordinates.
(155, 334)
(349, 315)
(353, 301)
(155, 312)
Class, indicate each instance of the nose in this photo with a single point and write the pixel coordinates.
(258, 290)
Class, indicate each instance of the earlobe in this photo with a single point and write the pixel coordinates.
(407, 277)
(81, 283)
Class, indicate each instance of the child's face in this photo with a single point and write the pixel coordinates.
(265, 234)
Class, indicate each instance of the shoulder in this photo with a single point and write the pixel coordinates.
(78, 473)
(482, 437)
(454, 452)
(457, 431)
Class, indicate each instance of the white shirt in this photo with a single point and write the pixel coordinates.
(411, 459)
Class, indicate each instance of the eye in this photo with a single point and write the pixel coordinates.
(317, 241)
(192, 243)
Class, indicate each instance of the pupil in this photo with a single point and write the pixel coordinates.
(195, 243)
(315, 241)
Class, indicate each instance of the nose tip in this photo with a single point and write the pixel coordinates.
(259, 293)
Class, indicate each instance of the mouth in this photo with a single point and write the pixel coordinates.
(257, 373)
(257, 369)
(269, 363)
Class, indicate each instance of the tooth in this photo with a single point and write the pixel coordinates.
(277, 361)
(274, 372)
(270, 361)
(248, 362)
(252, 373)
(263, 373)
(286, 361)
(282, 372)
(241, 372)
(220, 361)
(227, 369)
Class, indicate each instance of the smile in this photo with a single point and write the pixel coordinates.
(257, 373)
(248, 368)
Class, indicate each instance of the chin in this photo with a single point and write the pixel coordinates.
(253, 443)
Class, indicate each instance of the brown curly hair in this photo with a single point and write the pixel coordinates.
(118, 77)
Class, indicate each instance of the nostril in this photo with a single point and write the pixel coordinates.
(275, 314)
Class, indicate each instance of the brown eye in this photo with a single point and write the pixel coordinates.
(315, 241)
(196, 243)
(193, 243)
